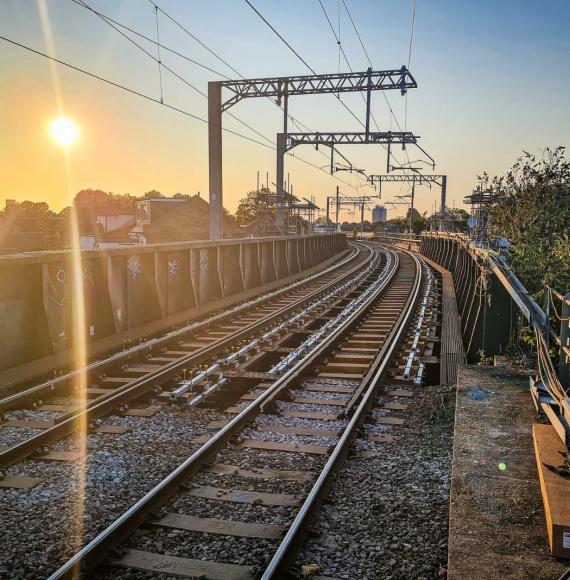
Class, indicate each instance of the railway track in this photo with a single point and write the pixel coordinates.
(288, 432)
(179, 362)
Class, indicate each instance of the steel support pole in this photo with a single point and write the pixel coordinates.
(564, 364)
(443, 202)
(281, 138)
(337, 205)
(368, 98)
(216, 199)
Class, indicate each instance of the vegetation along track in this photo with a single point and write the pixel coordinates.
(291, 429)
(42, 414)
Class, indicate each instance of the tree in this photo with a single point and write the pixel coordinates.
(533, 212)
(153, 193)
(250, 206)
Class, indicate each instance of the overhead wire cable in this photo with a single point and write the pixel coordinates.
(125, 88)
(232, 68)
(172, 71)
(158, 54)
(157, 101)
(148, 39)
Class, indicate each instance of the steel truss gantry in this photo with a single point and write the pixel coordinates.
(281, 88)
(415, 178)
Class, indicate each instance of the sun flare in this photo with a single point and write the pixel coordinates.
(64, 132)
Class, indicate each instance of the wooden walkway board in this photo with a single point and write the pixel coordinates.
(287, 447)
(222, 527)
(452, 352)
(555, 489)
(19, 482)
(260, 473)
(241, 496)
(183, 567)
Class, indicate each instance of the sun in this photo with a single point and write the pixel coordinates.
(64, 132)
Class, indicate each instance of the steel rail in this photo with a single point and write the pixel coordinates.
(100, 407)
(50, 385)
(97, 549)
(287, 550)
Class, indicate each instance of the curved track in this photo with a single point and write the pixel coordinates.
(58, 407)
(310, 412)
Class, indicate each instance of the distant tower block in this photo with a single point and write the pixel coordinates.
(379, 214)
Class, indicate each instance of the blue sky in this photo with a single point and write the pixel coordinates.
(493, 79)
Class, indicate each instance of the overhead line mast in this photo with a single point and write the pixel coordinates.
(282, 88)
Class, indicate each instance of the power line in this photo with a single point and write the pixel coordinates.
(410, 58)
(280, 36)
(154, 100)
(148, 39)
(194, 37)
(171, 71)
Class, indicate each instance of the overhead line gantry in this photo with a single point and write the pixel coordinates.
(281, 88)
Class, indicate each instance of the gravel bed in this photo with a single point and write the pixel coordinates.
(395, 527)
(246, 458)
(226, 510)
(323, 395)
(118, 470)
(307, 408)
(288, 438)
(334, 425)
(319, 382)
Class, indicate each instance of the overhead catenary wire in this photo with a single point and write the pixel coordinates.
(240, 75)
(151, 40)
(155, 100)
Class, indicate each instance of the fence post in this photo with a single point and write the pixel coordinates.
(564, 364)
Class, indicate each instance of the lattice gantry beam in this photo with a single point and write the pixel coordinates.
(279, 87)
(349, 138)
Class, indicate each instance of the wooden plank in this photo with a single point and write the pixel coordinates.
(117, 380)
(339, 375)
(222, 527)
(311, 415)
(25, 424)
(549, 450)
(394, 406)
(57, 408)
(387, 421)
(398, 393)
(381, 438)
(217, 424)
(260, 473)
(111, 429)
(59, 456)
(19, 482)
(297, 431)
(241, 496)
(183, 567)
(287, 447)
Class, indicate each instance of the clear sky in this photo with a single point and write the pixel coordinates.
(493, 79)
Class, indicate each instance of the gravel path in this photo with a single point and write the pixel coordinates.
(395, 526)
